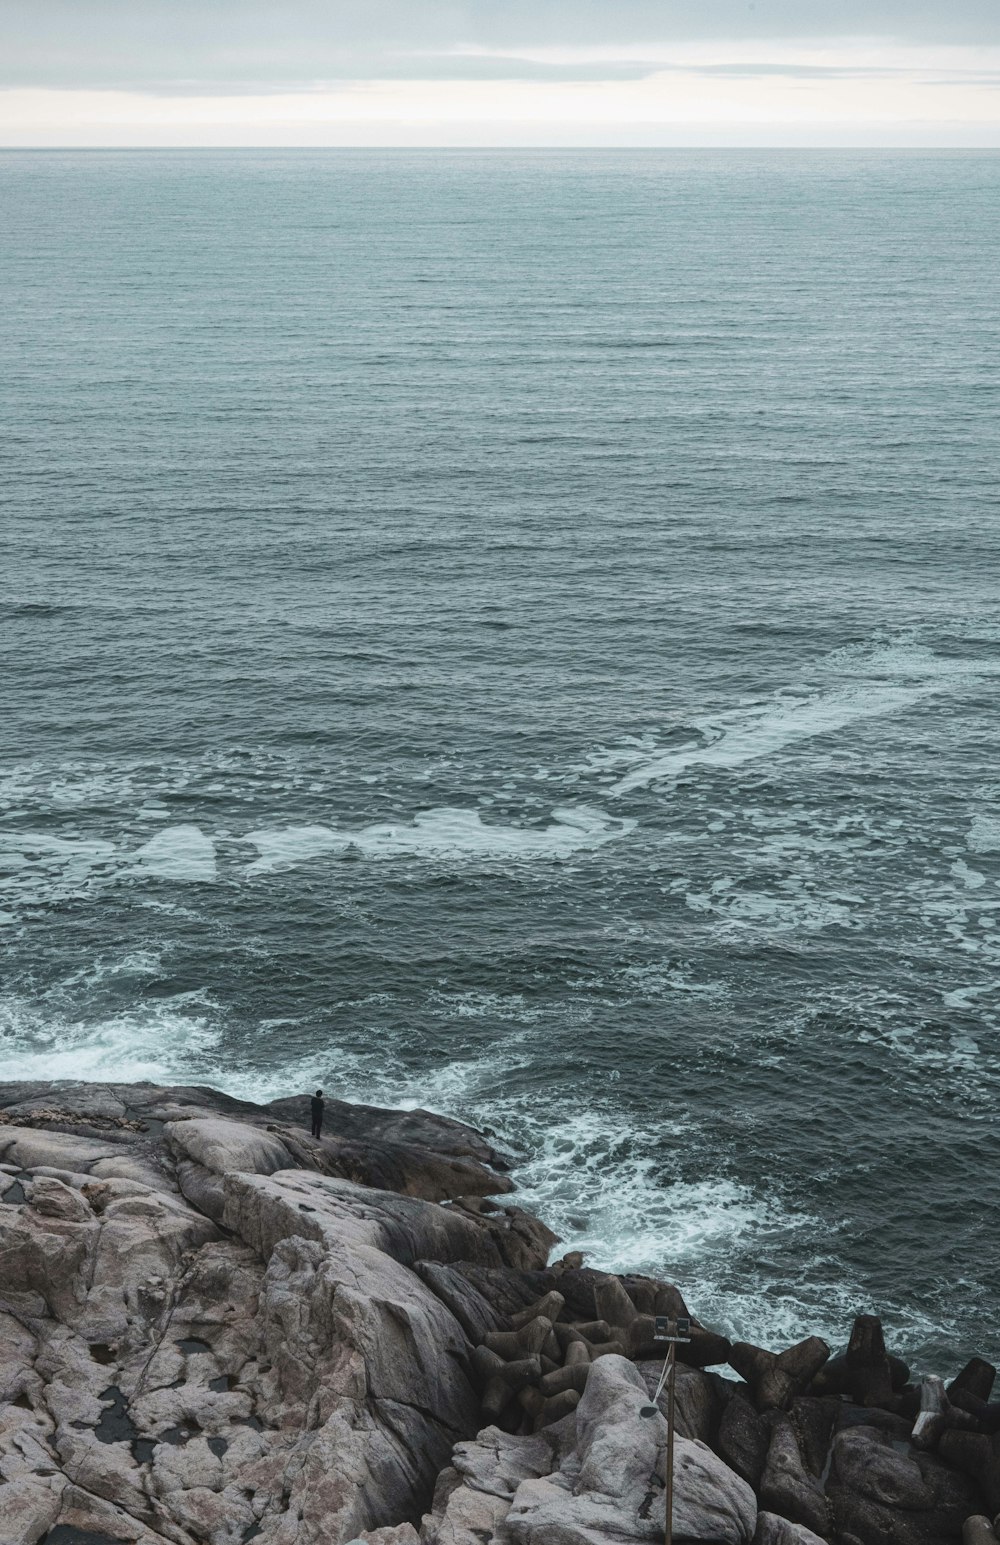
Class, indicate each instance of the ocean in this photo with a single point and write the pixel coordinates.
(517, 633)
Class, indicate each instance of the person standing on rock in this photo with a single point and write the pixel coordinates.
(317, 1113)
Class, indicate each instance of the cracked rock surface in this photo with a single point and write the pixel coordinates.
(215, 1329)
(211, 1325)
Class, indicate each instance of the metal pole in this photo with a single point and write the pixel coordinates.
(668, 1535)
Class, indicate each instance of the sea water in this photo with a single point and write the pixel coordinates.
(517, 633)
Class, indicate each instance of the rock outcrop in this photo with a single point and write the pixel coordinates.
(216, 1329)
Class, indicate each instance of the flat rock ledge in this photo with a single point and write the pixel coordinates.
(216, 1329)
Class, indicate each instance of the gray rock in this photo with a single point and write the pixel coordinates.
(293, 1375)
(611, 1484)
(744, 1438)
(787, 1488)
(773, 1530)
(881, 1492)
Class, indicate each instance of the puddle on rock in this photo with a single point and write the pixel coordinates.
(190, 1344)
(115, 1425)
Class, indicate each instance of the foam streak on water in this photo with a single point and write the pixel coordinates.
(517, 634)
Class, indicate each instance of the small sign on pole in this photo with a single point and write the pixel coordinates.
(673, 1333)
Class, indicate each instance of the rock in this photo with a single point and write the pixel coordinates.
(975, 1379)
(473, 1498)
(53, 1199)
(548, 1307)
(879, 1493)
(787, 1488)
(815, 1421)
(697, 1403)
(977, 1530)
(617, 1477)
(838, 1377)
(30, 1506)
(744, 1439)
(772, 1530)
(976, 1455)
(411, 1128)
(216, 1329)
(933, 1418)
(390, 1534)
(867, 1363)
(775, 1378)
(476, 1315)
(295, 1375)
(224, 1146)
(710, 1501)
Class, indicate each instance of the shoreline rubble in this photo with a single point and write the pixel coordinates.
(217, 1329)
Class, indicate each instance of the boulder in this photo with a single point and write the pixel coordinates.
(744, 1438)
(786, 1486)
(775, 1378)
(610, 1485)
(879, 1493)
(773, 1530)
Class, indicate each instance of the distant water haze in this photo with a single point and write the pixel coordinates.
(517, 634)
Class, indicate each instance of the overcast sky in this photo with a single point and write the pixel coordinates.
(423, 72)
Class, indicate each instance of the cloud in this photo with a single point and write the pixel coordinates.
(130, 44)
(479, 71)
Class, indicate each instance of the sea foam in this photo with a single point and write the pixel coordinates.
(449, 833)
(879, 682)
(178, 853)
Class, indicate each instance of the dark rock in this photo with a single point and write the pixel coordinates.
(402, 1167)
(371, 1124)
(744, 1438)
(786, 1486)
(772, 1530)
(815, 1421)
(474, 1313)
(507, 1289)
(975, 1379)
(881, 1493)
(978, 1456)
(775, 1378)
(839, 1377)
(697, 1401)
(867, 1363)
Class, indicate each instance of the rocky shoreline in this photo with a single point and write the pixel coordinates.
(216, 1329)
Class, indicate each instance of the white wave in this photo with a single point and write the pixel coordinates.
(880, 682)
(164, 1042)
(178, 853)
(984, 834)
(593, 1177)
(747, 734)
(442, 833)
(757, 910)
(35, 866)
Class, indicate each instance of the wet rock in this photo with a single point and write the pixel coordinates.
(411, 1128)
(815, 1421)
(978, 1456)
(867, 1362)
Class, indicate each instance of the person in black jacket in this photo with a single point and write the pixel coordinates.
(317, 1113)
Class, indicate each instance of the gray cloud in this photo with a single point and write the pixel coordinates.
(282, 44)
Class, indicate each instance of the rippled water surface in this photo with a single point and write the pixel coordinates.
(518, 633)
